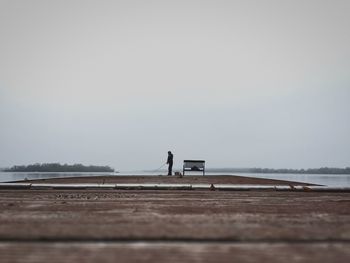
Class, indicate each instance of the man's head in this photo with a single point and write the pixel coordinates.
(169, 152)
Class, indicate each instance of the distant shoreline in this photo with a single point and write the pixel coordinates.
(323, 170)
(59, 168)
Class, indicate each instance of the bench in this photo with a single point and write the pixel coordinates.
(194, 165)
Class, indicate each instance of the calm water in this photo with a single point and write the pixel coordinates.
(322, 179)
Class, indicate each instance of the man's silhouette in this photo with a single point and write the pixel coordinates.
(170, 162)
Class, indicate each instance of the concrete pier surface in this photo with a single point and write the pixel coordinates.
(163, 179)
(174, 226)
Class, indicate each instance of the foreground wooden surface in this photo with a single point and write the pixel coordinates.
(173, 226)
(175, 252)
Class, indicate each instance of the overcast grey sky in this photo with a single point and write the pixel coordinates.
(237, 83)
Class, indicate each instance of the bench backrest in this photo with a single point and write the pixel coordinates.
(200, 164)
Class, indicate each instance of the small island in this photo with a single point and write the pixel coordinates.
(57, 167)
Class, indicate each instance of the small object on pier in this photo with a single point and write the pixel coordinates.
(179, 174)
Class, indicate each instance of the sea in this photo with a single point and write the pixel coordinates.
(333, 180)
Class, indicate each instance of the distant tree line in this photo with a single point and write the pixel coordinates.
(57, 167)
(323, 170)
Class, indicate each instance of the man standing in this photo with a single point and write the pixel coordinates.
(170, 162)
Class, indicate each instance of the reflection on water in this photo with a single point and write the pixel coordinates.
(19, 176)
(321, 179)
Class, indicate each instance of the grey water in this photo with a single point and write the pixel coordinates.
(335, 180)
(20, 176)
(339, 180)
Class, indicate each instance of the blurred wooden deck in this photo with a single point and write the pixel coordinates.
(173, 226)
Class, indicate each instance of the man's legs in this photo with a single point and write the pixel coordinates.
(170, 169)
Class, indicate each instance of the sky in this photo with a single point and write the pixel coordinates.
(236, 83)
